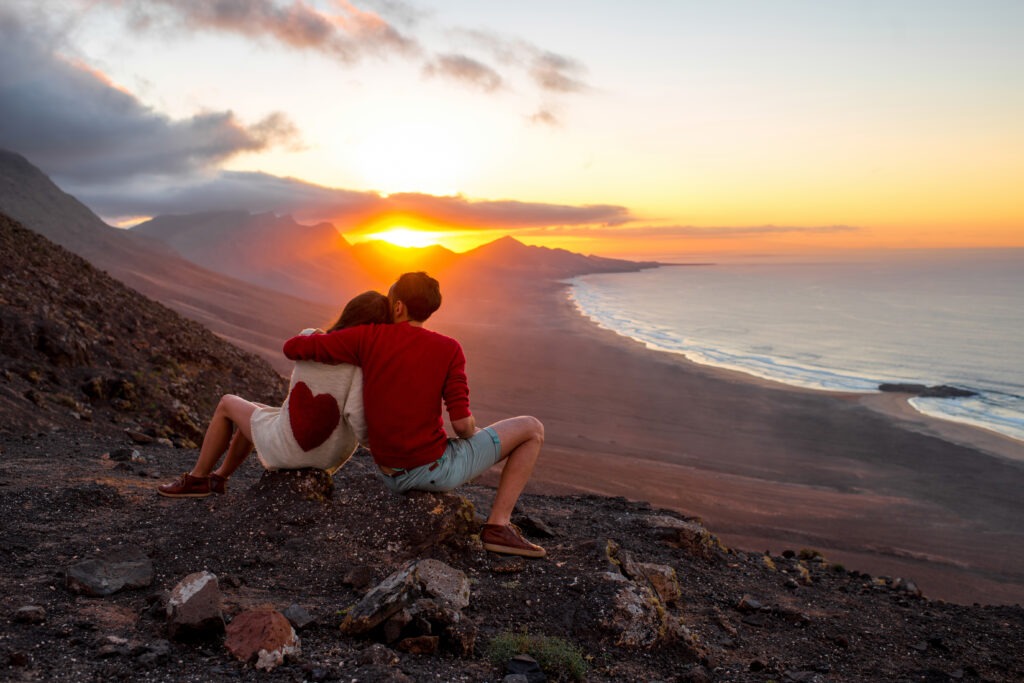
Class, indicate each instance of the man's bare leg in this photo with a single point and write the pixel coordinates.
(232, 412)
(521, 439)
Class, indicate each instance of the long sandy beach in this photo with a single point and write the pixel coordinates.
(863, 479)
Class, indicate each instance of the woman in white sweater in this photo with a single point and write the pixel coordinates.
(319, 424)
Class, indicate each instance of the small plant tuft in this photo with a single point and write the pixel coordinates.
(558, 658)
(809, 554)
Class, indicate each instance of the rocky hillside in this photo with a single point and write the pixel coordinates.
(254, 318)
(102, 579)
(78, 346)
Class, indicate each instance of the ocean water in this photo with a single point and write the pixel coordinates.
(939, 317)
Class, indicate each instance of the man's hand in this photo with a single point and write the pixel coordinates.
(311, 330)
(465, 427)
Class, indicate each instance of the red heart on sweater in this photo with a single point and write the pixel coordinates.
(313, 418)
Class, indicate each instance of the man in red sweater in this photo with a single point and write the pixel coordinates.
(407, 372)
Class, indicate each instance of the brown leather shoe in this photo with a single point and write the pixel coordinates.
(218, 484)
(186, 486)
(508, 540)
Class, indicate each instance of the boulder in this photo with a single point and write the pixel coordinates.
(525, 667)
(689, 535)
(938, 391)
(263, 635)
(298, 617)
(946, 391)
(902, 387)
(660, 578)
(102, 577)
(423, 598)
(663, 580)
(195, 608)
(637, 618)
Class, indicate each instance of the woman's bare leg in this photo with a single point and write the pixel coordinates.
(233, 412)
(238, 450)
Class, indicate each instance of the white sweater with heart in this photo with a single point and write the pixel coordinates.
(319, 424)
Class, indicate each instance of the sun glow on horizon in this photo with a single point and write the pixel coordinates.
(405, 237)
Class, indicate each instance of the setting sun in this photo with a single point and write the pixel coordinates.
(405, 237)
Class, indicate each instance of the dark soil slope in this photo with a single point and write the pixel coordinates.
(77, 345)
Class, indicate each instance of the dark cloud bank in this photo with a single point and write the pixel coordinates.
(126, 159)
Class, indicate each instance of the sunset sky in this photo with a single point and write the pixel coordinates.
(651, 128)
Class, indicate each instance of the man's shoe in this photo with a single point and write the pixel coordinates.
(186, 486)
(218, 484)
(508, 540)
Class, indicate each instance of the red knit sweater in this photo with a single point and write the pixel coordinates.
(407, 372)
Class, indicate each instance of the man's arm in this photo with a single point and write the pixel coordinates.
(340, 346)
(465, 427)
(456, 395)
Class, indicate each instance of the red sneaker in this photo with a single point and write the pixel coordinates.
(186, 486)
(508, 540)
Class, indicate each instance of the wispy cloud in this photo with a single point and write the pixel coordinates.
(556, 73)
(548, 74)
(545, 117)
(695, 232)
(348, 33)
(550, 71)
(77, 125)
(466, 69)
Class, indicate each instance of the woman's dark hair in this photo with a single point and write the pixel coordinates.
(368, 307)
(420, 293)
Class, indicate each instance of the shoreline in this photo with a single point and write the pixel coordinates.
(870, 483)
(988, 438)
(895, 405)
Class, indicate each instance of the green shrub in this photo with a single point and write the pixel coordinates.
(558, 658)
(809, 554)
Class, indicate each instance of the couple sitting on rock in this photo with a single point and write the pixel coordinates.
(406, 373)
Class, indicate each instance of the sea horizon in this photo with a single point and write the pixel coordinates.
(849, 323)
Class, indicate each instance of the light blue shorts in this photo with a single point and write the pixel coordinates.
(463, 459)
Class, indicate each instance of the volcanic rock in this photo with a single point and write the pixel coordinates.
(264, 635)
(101, 577)
(194, 608)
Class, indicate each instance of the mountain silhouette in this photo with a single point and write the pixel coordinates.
(312, 262)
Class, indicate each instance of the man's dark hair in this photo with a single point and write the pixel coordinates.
(365, 309)
(420, 293)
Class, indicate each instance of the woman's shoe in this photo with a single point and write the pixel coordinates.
(218, 484)
(187, 486)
